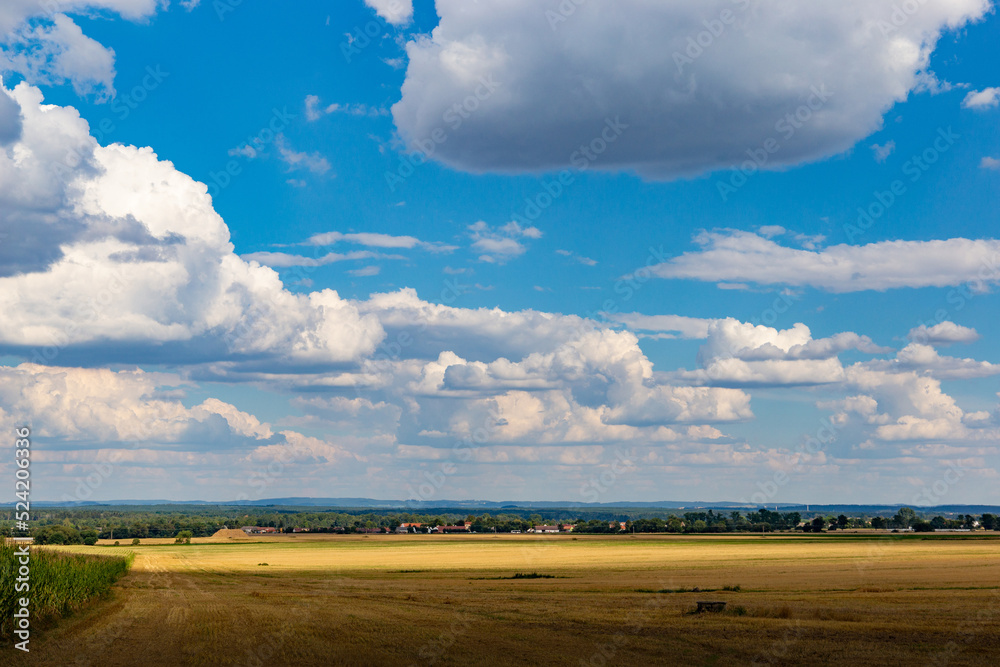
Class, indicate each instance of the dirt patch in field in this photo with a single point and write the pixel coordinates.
(230, 534)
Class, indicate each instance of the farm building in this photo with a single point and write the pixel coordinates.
(258, 530)
(544, 529)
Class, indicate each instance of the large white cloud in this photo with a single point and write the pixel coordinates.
(123, 257)
(519, 85)
(735, 256)
(111, 245)
(918, 406)
(740, 354)
(10, 117)
(83, 405)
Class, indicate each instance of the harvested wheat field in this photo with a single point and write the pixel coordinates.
(456, 600)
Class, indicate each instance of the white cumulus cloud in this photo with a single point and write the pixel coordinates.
(395, 12)
(746, 257)
(982, 99)
(943, 333)
(523, 85)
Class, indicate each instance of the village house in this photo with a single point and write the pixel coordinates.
(258, 530)
(452, 529)
(409, 527)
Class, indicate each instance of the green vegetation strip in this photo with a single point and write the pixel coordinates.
(728, 589)
(522, 575)
(60, 583)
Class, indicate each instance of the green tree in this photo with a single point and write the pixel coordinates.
(818, 523)
(184, 536)
(135, 541)
(905, 517)
(878, 523)
(842, 521)
(989, 521)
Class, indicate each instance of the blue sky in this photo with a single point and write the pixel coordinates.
(556, 237)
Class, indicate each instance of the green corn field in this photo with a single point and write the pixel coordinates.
(60, 583)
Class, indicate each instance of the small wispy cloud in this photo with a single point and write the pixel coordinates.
(586, 261)
(365, 271)
(314, 111)
(377, 240)
(313, 162)
(808, 241)
(284, 259)
(498, 245)
(989, 163)
(246, 150)
(882, 152)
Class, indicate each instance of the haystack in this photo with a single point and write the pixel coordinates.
(230, 534)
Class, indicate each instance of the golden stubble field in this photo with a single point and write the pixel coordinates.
(449, 600)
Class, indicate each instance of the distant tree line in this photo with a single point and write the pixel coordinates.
(86, 525)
